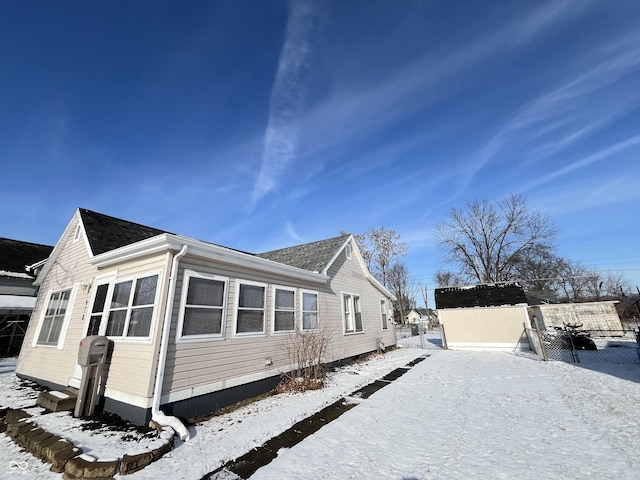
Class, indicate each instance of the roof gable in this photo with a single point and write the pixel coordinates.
(105, 233)
(15, 255)
(314, 256)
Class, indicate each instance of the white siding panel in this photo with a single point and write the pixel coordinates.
(485, 328)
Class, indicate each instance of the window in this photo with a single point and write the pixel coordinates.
(97, 310)
(352, 313)
(250, 314)
(131, 307)
(383, 314)
(283, 309)
(54, 316)
(309, 310)
(204, 300)
(347, 251)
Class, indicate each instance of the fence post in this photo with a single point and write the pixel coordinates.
(543, 347)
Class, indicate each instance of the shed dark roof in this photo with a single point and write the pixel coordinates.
(488, 295)
(15, 255)
(106, 233)
(314, 256)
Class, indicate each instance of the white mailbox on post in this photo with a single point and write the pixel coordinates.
(91, 357)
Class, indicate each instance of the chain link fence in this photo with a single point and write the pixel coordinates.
(574, 345)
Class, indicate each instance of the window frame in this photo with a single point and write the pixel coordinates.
(274, 309)
(237, 308)
(384, 314)
(112, 280)
(188, 274)
(66, 318)
(352, 303)
(347, 251)
(303, 311)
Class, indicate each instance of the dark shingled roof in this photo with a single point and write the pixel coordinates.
(489, 295)
(314, 256)
(107, 233)
(15, 255)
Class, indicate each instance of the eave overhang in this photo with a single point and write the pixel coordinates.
(170, 242)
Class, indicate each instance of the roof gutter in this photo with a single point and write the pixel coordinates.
(156, 414)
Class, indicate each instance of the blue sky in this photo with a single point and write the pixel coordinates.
(263, 124)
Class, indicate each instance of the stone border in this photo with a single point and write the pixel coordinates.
(67, 458)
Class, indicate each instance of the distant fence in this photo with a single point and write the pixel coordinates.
(586, 346)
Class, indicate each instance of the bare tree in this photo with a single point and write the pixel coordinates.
(380, 248)
(573, 281)
(487, 240)
(446, 278)
(615, 285)
(538, 271)
(398, 279)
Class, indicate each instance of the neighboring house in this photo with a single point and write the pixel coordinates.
(195, 326)
(483, 317)
(17, 291)
(416, 316)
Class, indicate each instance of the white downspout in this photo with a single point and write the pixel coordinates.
(156, 414)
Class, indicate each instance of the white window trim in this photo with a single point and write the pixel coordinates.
(353, 312)
(312, 292)
(106, 279)
(188, 274)
(262, 333)
(273, 309)
(124, 338)
(384, 309)
(65, 321)
(347, 251)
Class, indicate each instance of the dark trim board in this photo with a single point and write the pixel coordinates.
(44, 383)
(210, 402)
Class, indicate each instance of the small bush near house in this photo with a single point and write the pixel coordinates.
(306, 351)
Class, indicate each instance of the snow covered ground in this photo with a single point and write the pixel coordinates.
(456, 415)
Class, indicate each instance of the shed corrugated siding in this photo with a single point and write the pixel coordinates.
(132, 364)
(484, 325)
(592, 315)
(193, 364)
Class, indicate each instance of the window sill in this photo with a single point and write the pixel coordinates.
(250, 335)
(354, 333)
(194, 339)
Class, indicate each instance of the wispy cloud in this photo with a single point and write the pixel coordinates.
(587, 101)
(291, 231)
(287, 98)
(583, 162)
(395, 94)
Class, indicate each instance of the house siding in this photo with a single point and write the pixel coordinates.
(210, 361)
(211, 365)
(69, 270)
(132, 366)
